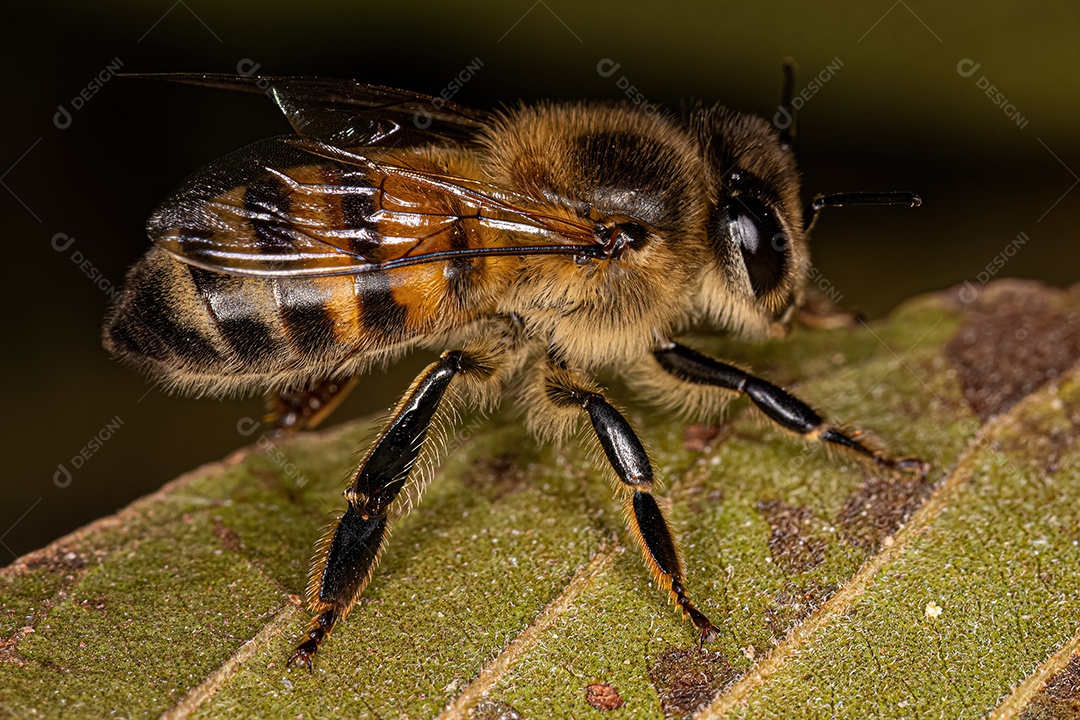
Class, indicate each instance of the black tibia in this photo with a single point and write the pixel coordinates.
(631, 464)
(780, 406)
(303, 408)
(349, 557)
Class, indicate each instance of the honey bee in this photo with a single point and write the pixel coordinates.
(544, 245)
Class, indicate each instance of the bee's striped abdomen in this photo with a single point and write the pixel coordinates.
(190, 326)
(383, 316)
(316, 323)
(151, 322)
(298, 292)
(252, 337)
(215, 332)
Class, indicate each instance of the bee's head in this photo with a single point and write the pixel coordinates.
(755, 228)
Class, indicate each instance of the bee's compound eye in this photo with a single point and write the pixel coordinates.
(763, 243)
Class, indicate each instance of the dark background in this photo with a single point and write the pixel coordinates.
(896, 115)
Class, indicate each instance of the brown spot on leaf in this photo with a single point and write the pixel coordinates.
(494, 710)
(793, 604)
(1018, 336)
(228, 537)
(9, 650)
(603, 696)
(54, 559)
(496, 476)
(878, 507)
(1042, 438)
(700, 438)
(688, 680)
(1059, 699)
(793, 544)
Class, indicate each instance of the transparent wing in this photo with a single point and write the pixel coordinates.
(350, 114)
(290, 206)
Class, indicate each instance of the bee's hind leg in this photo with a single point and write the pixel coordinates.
(346, 558)
(303, 408)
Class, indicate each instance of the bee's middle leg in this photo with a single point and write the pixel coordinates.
(633, 469)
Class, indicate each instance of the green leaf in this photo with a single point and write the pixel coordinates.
(514, 586)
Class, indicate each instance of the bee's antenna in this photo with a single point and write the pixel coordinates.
(897, 197)
(785, 114)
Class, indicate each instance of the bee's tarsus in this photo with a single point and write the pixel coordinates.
(707, 634)
(630, 461)
(301, 656)
(317, 630)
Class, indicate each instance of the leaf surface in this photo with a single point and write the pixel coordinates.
(514, 586)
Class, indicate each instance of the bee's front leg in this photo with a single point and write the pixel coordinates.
(777, 404)
(346, 557)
